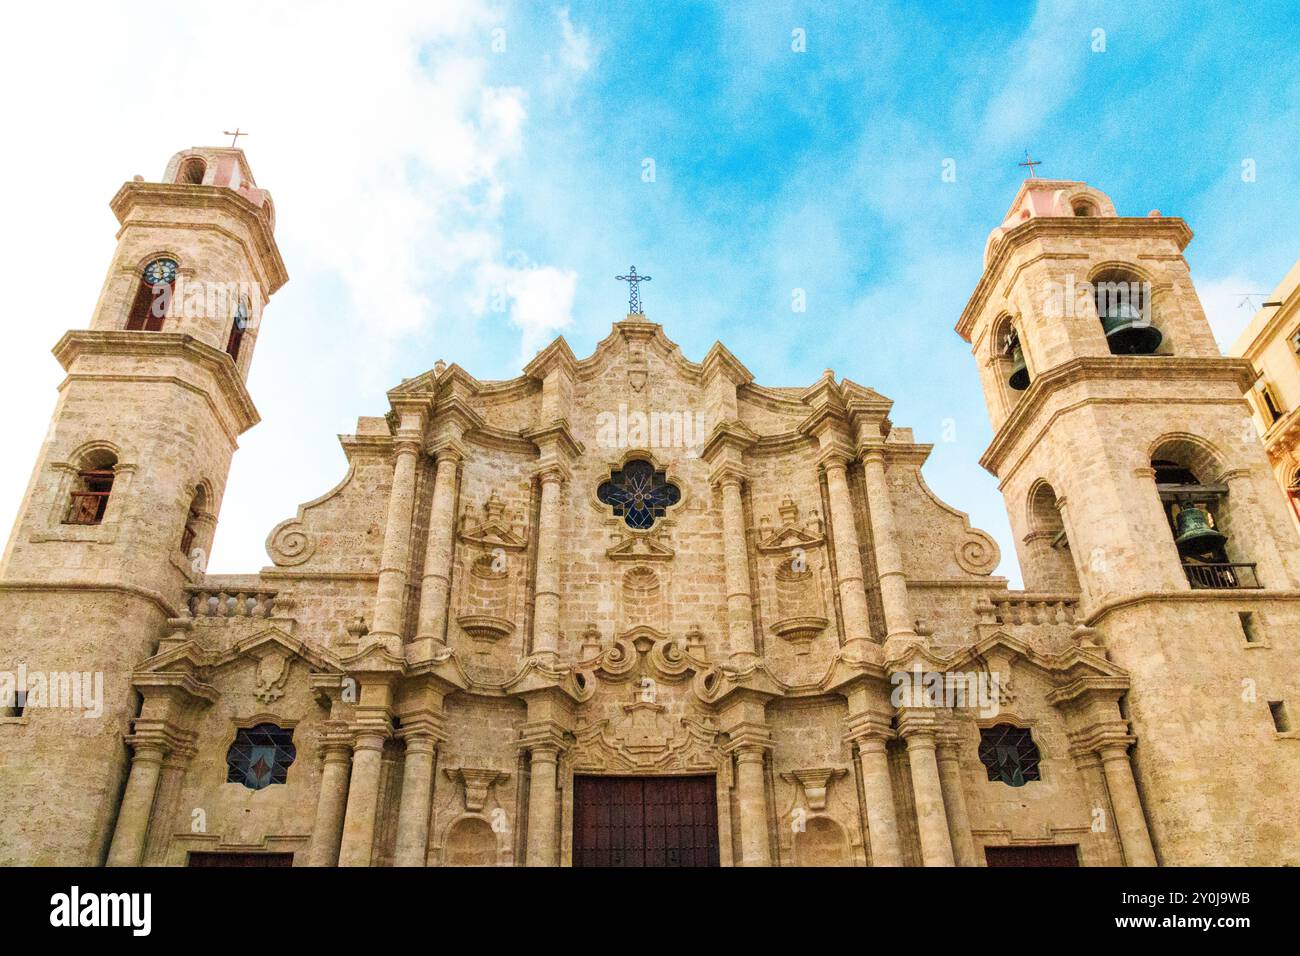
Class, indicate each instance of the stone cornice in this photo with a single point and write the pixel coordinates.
(179, 196)
(730, 435)
(1040, 227)
(555, 438)
(1112, 368)
(555, 356)
(720, 361)
(80, 342)
(1233, 596)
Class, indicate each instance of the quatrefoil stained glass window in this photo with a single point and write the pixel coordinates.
(638, 494)
(260, 756)
(1009, 754)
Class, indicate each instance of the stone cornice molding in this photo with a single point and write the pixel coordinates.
(728, 438)
(80, 342)
(87, 584)
(555, 440)
(720, 361)
(1171, 228)
(135, 195)
(555, 357)
(1236, 595)
(1108, 368)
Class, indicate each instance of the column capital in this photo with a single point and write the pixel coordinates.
(728, 473)
(446, 450)
(919, 726)
(555, 441)
(420, 730)
(871, 451)
(837, 454)
(748, 742)
(869, 730)
(544, 736)
(554, 471)
(406, 445)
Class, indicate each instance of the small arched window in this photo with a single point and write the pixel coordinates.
(153, 296)
(237, 327)
(1123, 303)
(1083, 207)
(92, 488)
(192, 171)
(191, 532)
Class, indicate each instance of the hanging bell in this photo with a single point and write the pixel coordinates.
(1195, 533)
(1128, 332)
(1019, 371)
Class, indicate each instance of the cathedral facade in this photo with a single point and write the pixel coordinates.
(634, 609)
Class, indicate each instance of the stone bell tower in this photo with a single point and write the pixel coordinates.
(123, 501)
(1123, 449)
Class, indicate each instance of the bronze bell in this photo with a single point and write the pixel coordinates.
(1019, 371)
(1128, 333)
(1195, 533)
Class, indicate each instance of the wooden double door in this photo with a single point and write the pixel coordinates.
(645, 821)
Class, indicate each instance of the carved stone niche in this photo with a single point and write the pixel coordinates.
(491, 569)
(794, 561)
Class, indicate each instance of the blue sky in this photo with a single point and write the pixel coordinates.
(428, 162)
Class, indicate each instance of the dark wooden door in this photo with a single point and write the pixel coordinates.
(1055, 855)
(645, 821)
(241, 859)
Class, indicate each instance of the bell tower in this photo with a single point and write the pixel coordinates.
(1122, 447)
(122, 504)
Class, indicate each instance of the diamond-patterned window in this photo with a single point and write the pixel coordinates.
(1009, 754)
(260, 756)
(638, 494)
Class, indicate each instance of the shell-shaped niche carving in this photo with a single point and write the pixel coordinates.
(641, 594)
(485, 611)
(799, 617)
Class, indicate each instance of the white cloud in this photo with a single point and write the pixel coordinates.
(387, 150)
(577, 50)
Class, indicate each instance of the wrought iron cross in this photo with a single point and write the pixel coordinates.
(234, 137)
(1031, 163)
(634, 299)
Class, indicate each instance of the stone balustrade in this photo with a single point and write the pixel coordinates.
(212, 600)
(1025, 607)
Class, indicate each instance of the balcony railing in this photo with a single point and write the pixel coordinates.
(1221, 576)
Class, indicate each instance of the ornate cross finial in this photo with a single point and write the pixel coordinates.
(234, 137)
(1031, 163)
(634, 300)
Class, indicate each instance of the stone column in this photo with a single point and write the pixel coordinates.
(133, 815)
(889, 557)
(417, 791)
(546, 595)
(878, 795)
(954, 801)
(543, 837)
(330, 805)
(751, 793)
(435, 586)
(390, 601)
(931, 817)
(363, 799)
(740, 608)
(1127, 806)
(848, 557)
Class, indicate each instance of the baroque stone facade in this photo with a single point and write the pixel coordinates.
(637, 568)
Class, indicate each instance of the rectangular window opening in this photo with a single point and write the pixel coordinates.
(1281, 719)
(1249, 627)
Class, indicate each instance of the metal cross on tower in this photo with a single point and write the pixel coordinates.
(634, 299)
(234, 137)
(1031, 163)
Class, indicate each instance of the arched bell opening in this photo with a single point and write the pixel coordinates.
(1051, 553)
(1009, 359)
(1200, 518)
(1123, 301)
